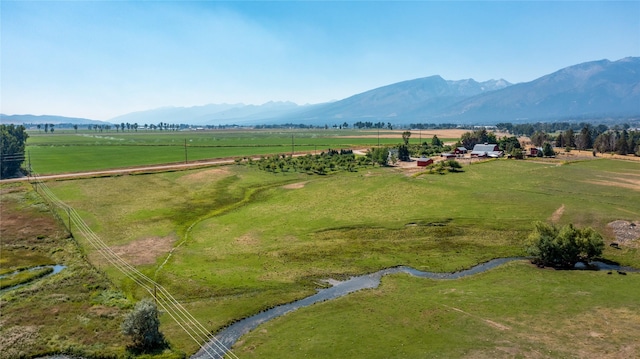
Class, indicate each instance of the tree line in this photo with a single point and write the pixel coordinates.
(596, 138)
(528, 129)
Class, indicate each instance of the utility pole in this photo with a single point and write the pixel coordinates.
(292, 145)
(69, 216)
(185, 150)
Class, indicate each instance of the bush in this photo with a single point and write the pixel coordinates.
(142, 325)
(563, 247)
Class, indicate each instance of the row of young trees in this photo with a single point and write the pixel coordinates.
(326, 162)
(370, 125)
(48, 127)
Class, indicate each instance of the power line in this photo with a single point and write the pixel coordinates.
(194, 329)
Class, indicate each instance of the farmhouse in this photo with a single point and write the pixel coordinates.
(460, 150)
(486, 150)
(423, 162)
(533, 151)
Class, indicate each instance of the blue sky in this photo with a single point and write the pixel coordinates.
(101, 59)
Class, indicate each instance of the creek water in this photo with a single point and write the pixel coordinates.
(57, 268)
(225, 339)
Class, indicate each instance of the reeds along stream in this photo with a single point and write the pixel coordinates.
(225, 339)
(10, 281)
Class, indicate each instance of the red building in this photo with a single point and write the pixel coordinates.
(423, 162)
(460, 150)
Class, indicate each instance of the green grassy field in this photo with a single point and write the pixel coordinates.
(67, 151)
(515, 311)
(247, 240)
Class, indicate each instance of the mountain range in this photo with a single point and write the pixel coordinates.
(50, 119)
(592, 90)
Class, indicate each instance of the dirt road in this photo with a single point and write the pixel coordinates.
(128, 170)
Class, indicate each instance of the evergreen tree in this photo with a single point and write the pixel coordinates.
(12, 143)
(584, 141)
(547, 150)
(569, 138)
(622, 144)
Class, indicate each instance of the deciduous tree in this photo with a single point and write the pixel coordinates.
(563, 247)
(405, 137)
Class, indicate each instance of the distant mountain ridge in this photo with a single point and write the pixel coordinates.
(50, 119)
(591, 90)
(403, 101)
(212, 114)
(596, 89)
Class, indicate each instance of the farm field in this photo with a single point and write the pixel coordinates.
(244, 240)
(67, 151)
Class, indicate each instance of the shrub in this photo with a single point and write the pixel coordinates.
(142, 325)
(563, 247)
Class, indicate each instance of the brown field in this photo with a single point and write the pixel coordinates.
(425, 134)
(578, 154)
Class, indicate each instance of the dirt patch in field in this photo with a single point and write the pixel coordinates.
(206, 174)
(627, 233)
(295, 185)
(555, 217)
(14, 341)
(619, 182)
(145, 251)
(104, 311)
(610, 332)
(249, 239)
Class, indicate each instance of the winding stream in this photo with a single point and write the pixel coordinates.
(57, 268)
(225, 339)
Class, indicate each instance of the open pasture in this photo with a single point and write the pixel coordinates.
(67, 151)
(246, 240)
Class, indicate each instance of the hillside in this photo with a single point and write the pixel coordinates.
(597, 89)
(404, 101)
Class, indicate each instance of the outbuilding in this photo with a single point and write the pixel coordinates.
(423, 162)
